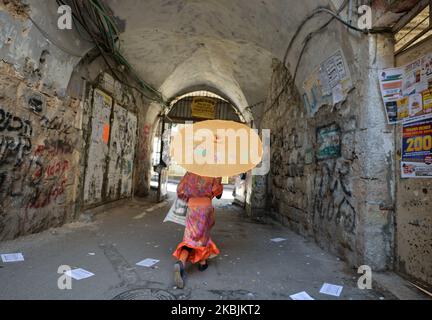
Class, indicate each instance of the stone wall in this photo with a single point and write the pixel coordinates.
(46, 98)
(40, 134)
(346, 201)
(413, 211)
(148, 127)
(39, 156)
(315, 198)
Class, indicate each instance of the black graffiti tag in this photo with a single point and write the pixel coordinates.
(15, 138)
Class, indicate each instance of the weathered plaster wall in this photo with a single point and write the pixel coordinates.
(39, 156)
(148, 123)
(413, 210)
(345, 203)
(39, 129)
(46, 103)
(111, 140)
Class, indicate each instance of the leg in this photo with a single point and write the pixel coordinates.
(202, 265)
(184, 255)
(179, 268)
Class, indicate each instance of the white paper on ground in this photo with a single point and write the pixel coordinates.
(278, 239)
(331, 289)
(12, 257)
(79, 274)
(301, 296)
(147, 263)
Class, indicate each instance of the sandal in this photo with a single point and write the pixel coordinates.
(179, 274)
(202, 267)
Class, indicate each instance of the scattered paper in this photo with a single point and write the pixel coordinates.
(13, 257)
(301, 296)
(147, 263)
(331, 290)
(79, 274)
(92, 254)
(278, 240)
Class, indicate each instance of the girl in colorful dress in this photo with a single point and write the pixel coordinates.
(197, 246)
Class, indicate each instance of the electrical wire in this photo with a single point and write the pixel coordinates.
(303, 23)
(300, 27)
(335, 15)
(96, 19)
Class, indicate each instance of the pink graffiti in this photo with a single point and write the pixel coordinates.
(43, 199)
(57, 168)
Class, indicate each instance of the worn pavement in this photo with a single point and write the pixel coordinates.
(250, 265)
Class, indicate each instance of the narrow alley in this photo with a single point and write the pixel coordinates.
(313, 116)
(251, 266)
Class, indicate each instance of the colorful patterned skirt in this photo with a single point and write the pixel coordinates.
(200, 220)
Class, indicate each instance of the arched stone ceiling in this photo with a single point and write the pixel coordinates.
(223, 44)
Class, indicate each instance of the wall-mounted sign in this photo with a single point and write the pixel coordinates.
(203, 108)
(329, 142)
(417, 149)
(406, 91)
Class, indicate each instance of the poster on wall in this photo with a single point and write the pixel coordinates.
(391, 82)
(98, 148)
(329, 142)
(417, 149)
(406, 91)
(329, 84)
(314, 97)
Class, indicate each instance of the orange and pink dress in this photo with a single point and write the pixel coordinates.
(198, 192)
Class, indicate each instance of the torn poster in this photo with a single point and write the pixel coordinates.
(329, 84)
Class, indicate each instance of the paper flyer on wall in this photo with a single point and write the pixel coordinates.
(329, 84)
(314, 98)
(407, 91)
(417, 149)
(391, 81)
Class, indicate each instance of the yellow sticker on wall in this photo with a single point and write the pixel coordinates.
(427, 101)
(203, 108)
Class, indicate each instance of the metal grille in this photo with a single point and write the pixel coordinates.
(181, 110)
(416, 30)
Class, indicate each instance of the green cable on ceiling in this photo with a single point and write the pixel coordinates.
(109, 30)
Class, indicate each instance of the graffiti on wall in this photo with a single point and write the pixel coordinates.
(15, 138)
(121, 154)
(129, 154)
(98, 149)
(37, 166)
(333, 196)
(118, 130)
(49, 173)
(111, 153)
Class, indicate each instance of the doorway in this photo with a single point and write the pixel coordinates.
(166, 174)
